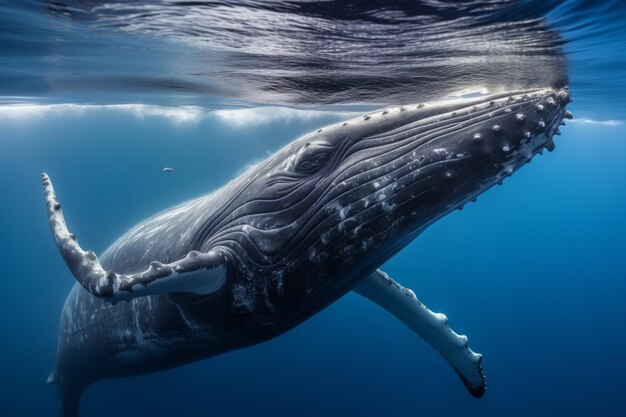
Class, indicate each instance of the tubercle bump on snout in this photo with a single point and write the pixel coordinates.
(533, 123)
(513, 141)
(505, 134)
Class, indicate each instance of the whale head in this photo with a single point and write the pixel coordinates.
(349, 196)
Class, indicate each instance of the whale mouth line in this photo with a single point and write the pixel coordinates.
(384, 163)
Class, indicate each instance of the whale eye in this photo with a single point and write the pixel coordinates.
(311, 159)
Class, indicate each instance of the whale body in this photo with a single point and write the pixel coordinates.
(289, 237)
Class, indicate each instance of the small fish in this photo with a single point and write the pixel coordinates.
(168, 169)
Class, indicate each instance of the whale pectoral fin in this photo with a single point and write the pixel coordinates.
(432, 327)
(198, 273)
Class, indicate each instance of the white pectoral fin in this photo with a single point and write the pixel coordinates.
(198, 273)
(432, 327)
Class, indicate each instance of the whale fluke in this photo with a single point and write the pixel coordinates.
(198, 273)
(432, 327)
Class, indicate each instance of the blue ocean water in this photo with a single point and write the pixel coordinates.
(103, 95)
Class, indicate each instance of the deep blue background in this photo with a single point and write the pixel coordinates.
(533, 273)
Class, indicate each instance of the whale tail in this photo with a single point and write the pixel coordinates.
(69, 400)
(69, 396)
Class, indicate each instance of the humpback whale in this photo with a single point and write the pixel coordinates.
(290, 236)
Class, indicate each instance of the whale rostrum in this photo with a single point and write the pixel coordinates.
(290, 236)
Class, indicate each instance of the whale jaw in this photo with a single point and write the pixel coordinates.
(419, 162)
(367, 186)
